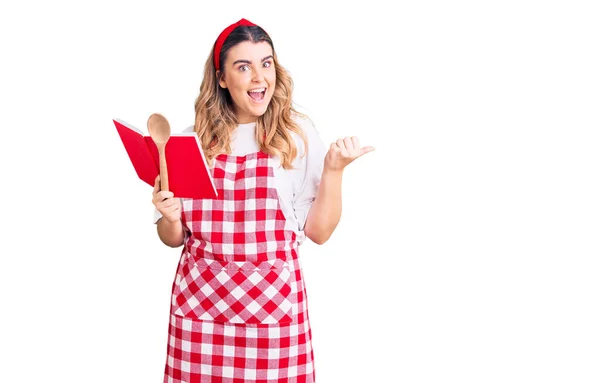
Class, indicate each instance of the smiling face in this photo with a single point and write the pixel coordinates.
(249, 75)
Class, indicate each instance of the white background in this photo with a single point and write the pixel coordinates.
(468, 248)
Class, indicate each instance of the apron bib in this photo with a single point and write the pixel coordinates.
(237, 265)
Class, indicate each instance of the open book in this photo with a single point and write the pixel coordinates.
(189, 174)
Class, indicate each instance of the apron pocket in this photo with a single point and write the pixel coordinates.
(234, 292)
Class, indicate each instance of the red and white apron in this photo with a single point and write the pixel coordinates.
(238, 310)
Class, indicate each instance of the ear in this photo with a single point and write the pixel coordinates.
(221, 81)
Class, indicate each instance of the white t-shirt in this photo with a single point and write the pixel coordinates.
(297, 187)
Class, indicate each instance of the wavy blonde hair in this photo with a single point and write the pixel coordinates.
(216, 119)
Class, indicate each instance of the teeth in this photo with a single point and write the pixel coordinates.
(257, 90)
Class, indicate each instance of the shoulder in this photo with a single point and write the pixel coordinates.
(308, 128)
(314, 142)
(304, 123)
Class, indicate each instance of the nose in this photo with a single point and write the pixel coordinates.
(258, 75)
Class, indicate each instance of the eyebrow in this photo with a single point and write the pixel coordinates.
(242, 61)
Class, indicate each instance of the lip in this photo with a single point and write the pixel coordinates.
(264, 92)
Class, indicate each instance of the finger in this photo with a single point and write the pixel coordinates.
(157, 199)
(156, 185)
(173, 210)
(340, 143)
(176, 207)
(166, 203)
(366, 150)
(348, 143)
(174, 202)
(164, 194)
(170, 209)
(355, 142)
(334, 148)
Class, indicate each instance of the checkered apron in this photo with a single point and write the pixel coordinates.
(238, 307)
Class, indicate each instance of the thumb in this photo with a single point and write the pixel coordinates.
(156, 185)
(366, 149)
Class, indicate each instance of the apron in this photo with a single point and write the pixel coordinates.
(238, 303)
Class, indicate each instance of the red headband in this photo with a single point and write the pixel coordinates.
(223, 36)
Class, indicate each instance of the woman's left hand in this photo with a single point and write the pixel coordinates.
(344, 151)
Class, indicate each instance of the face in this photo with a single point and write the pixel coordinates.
(249, 75)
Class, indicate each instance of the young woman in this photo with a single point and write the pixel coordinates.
(238, 309)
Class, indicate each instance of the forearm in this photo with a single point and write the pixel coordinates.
(170, 233)
(326, 210)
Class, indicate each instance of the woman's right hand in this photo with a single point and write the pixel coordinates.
(169, 207)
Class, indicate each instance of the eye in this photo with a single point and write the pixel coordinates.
(244, 68)
(267, 64)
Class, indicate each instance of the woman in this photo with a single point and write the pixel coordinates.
(238, 310)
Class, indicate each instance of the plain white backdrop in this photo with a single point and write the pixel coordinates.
(468, 249)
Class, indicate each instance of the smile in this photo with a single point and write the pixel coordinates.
(257, 94)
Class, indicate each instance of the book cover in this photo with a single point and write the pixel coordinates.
(189, 173)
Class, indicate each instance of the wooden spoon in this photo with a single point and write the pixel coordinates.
(160, 130)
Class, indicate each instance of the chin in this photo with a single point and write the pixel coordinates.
(260, 112)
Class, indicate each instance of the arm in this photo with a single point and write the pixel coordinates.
(326, 210)
(169, 226)
(170, 233)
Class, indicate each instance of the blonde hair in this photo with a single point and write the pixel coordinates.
(216, 119)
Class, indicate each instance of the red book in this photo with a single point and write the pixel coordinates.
(189, 174)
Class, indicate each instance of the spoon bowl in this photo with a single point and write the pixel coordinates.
(160, 131)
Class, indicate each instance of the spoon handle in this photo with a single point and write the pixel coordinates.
(164, 174)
